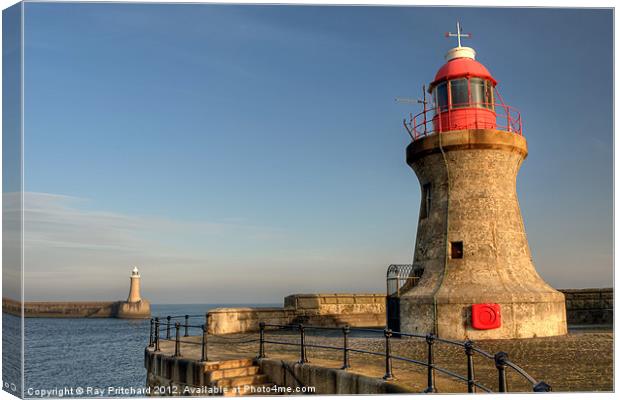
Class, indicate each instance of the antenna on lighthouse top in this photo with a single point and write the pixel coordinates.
(460, 51)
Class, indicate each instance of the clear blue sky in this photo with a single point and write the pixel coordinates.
(242, 153)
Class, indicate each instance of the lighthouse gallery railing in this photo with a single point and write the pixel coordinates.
(436, 120)
(502, 363)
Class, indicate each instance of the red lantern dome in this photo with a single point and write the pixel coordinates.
(462, 67)
(463, 92)
(463, 97)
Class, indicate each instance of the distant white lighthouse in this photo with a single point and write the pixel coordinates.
(134, 286)
(135, 306)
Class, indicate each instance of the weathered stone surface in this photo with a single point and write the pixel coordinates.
(134, 310)
(232, 320)
(135, 307)
(305, 302)
(78, 309)
(368, 310)
(325, 380)
(472, 176)
(589, 306)
(322, 309)
(181, 374)
(579, 361)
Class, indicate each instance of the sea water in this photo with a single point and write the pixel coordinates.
(85, 357)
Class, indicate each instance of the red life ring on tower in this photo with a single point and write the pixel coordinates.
(486, 316)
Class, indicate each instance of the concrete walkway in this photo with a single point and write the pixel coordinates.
(580, 361)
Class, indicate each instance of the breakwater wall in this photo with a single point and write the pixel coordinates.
(201, 378)
(324, 380)
(355, 310)
(583, 306)
(589, 306)
(77, 309)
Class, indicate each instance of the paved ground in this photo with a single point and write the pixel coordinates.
(580, 361)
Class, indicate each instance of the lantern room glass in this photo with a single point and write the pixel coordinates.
(473, 92)
(477, 92)
(441, 96)
(459, 93)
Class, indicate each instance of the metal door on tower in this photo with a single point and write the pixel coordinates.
(393, 313)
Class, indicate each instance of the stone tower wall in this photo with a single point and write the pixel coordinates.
(473, 200)
(134, 290)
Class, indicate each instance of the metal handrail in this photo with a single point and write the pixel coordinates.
(400, 277)
(429, 121)
(182, 325)
(327, 328)
(183, 316)
(155, 334)
(500, 359)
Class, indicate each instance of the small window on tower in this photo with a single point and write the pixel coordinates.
(426, 200)
(456, 250)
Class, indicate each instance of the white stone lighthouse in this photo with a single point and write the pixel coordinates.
(135, 306)
(477, 276)
(134, 286)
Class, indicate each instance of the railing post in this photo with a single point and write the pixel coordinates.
(425, 122)
(203, 355)
(469, 351)
(177, 341)
(508, 118)
(186, 325)
(157, 334)
(168, 328)
(542, 387)
(261, 340)
(500, 364)
(151, 333)
(430, 371)
(388, 355)
(345, 355)
(302, 340)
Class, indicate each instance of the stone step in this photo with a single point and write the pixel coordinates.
(241, 381)
(232, 372)
(226, 364)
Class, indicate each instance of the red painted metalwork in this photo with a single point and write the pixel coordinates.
(486, 316)
(430, 121)
(472, 116)
(477, 110)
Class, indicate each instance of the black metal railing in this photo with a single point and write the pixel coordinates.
(500, 359)
(401, 277)
(502, 363)
(171, 322)
(169, 328)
